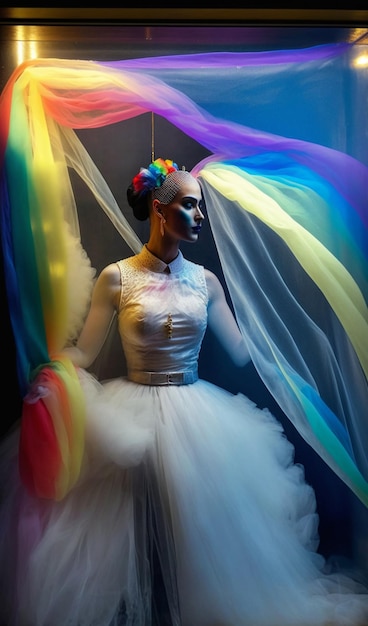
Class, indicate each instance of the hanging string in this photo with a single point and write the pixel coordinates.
(152, 137)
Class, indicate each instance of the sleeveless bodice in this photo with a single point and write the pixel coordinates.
(162, 315)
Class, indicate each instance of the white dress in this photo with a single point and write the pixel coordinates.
(189, 504)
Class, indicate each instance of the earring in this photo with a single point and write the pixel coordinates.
(162, 222)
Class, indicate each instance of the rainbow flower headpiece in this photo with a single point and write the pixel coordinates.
(152, 177)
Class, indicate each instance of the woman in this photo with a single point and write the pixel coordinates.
(187, 492)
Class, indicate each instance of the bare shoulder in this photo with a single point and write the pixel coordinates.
(214, 286)
(107, 288)
(110, 275)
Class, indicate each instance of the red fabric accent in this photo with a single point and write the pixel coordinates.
(39, 454)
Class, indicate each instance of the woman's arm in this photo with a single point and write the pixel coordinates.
(222, 322)
(104, 303)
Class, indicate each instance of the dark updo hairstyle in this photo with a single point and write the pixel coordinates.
(139, 203)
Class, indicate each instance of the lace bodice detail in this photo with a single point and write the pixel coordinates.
(162, 314)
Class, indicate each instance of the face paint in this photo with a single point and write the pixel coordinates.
(183, 215)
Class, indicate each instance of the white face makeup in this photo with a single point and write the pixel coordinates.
(184, 215)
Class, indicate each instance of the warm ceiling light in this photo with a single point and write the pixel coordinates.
(361, 60)
(25, 47)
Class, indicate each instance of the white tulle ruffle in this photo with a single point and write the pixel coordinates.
(206, 482)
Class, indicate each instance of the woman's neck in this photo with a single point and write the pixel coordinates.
(162, 249)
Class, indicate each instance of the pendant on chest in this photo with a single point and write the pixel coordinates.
(169, 326)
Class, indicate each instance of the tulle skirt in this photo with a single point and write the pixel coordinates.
(189, 511)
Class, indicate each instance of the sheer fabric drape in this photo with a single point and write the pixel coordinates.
(286, 195)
